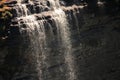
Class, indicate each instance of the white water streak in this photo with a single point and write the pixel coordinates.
(36, 32)
(64, 33)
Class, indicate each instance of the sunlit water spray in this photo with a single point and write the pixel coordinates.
(37, 40)
(35, 31)
(64, 33)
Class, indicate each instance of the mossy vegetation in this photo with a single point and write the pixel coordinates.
(5, 16)
(4, 10)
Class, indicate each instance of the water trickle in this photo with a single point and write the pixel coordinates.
(32, 28)
(64, 33)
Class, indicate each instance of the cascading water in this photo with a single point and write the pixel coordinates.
(64, 33)
(33, 30)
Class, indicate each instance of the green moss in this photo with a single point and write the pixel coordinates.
(6, 15)
(4, 19)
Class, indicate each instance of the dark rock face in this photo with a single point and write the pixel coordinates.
(95, 47)
(11, 2)
(97, 51)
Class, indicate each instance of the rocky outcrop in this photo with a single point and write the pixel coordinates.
(95, 47)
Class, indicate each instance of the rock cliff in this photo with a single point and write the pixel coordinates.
(95, 43)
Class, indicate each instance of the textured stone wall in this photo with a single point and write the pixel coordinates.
(95, 47)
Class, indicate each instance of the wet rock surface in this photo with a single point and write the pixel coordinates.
(97, 51)
(95, 48)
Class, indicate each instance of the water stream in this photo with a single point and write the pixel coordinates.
(34, 32)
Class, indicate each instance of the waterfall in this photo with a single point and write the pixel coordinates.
(32, 25)
(36, 34)
(66, 43)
